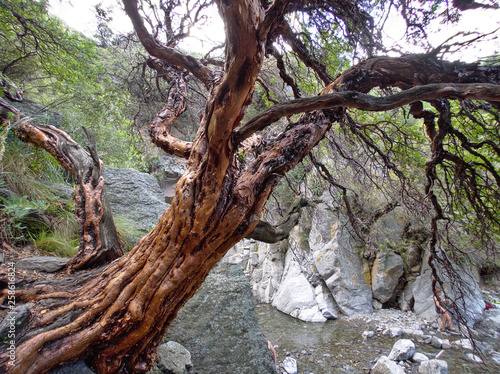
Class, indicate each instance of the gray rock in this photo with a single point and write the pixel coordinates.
(135, 197)
(387, 269)
(490, 325)
(464, 343)
(79, 367)
(219, 326)
(14, 321)
(368, 334)
(39, 112)
(64, 191)
(471, 303)
(45, 264)
(337, 262)
(433, 367)
(290, 365)
(474, 358)
(386, 366)
(167, 170)
(419, 357)
(173, 358)
(402, 350)
(446, 344)
(296, 296)
(394, 332)
(437, 342)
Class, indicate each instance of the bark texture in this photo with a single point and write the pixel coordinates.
(98, 238)
(116, 319)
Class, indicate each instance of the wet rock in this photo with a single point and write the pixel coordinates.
(387, 269)
(433, 367)
(44, 264)
(386, 366)
(173, 358)
(402, 350)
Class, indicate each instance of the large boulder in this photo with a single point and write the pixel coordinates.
(219, 326)
(387, 269)
(338, 263)
(296, 296)
(134, 197)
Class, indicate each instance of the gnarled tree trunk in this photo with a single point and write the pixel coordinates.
(116, 319)
(98, 238)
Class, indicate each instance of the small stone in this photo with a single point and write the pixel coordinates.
(474, 358)
(368, 334)
(436, 342)
(446, 344)
(419, 357)
(290, 365)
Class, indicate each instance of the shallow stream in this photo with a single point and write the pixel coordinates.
(337, 346)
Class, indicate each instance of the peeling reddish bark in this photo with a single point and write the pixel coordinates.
(116, 319)
(98, 238)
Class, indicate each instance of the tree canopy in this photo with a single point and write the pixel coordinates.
(420, 131)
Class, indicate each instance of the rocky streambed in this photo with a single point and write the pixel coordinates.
(353, 345)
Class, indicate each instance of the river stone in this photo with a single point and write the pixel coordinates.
(173, 358)
(338, 263)
(135, 197)
(45, 264)
(437, 342)
(386, 366)
(296, 296)
(402, 350)
(218, 325)
(419, 357)
(433, 367)
(290, 365)
(387, 269)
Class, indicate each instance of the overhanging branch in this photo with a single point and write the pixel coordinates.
(352, 99)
